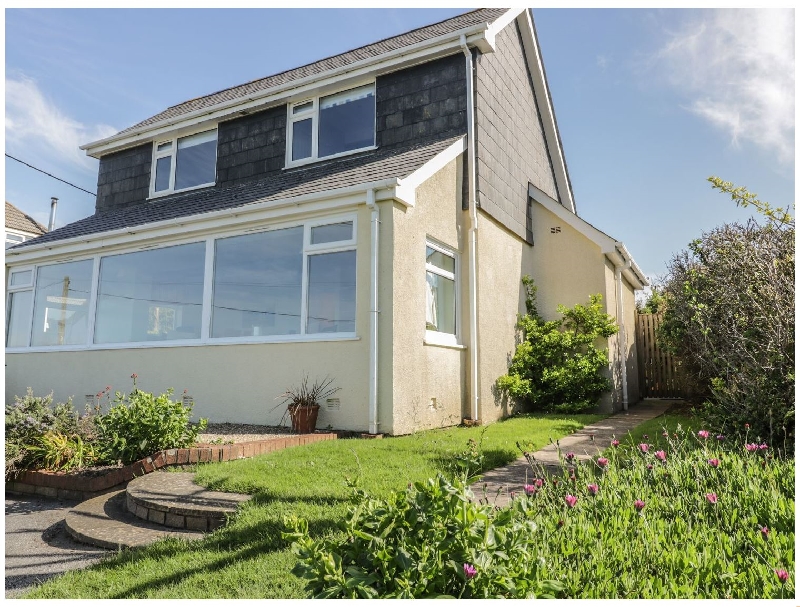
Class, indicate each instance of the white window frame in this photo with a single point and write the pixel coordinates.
(208, 284)
(11, 243)
(313, 114)
(173, 154)
(10, 290)
(439, 338)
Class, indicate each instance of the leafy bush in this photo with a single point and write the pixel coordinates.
(730, 318)
(428, 541)
(139, 424)
(56, 451)
(557, 367)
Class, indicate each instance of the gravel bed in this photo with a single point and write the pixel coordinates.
(240, 433)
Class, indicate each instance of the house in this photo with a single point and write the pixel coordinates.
(367, 217)
(20, 227)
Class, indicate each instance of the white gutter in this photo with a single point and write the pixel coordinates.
(373, 313)
(472, 238)
(622, 341)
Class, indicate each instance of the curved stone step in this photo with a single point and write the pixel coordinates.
(104, 521)
(174, 500)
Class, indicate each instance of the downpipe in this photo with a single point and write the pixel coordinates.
(373, 312)
(472, 236)
(622, 341)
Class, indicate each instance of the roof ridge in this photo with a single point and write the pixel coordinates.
(299, 67)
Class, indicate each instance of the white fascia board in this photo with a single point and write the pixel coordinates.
(407, 187)
(204, 224)
(388, 62)
(22, 232)
(499, 23)
(613, 249)
(536, 67)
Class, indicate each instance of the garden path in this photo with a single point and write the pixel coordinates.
(586, 443)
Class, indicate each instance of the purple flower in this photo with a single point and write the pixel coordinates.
(782, 574)
(644, 447)
(571, 500)
(751, 447)
(469, 571)
(703, 433)
(539, 482)
(638, 504)
(764, 531)
(711, 497)
(570, 456)
(713, 462)
(593, 488)
(529, 489)
(649, 466)
(661, 455)
(602, 462)
(720, 437)
(615, 443)
(763, 446)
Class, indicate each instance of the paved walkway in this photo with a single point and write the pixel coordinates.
(585, 444)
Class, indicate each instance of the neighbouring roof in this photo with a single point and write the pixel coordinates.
(341, 173)
(17, 220)
(476, 17)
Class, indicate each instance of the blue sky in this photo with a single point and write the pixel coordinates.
(649, 102)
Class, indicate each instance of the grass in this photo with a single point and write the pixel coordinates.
(248, 558)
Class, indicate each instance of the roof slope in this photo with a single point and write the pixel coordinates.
(365, 168)
(484, 15)
(17, 220)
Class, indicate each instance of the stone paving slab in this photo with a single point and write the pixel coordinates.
(177, 493)
(104, 521)
(585, 444)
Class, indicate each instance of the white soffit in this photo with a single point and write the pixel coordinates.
(406, 188)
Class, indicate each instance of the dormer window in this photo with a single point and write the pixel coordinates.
(184, 163)
(331, 126)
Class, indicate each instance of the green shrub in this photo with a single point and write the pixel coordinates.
(730, 318)
(429, 541)
(139, 424)
(557, 367)
(56, 451)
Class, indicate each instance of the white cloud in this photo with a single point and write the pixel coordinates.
(736, 68)
(36, 127)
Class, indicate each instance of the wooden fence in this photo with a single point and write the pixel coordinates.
(658, 370)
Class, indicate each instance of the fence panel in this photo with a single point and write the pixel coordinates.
(658, 376)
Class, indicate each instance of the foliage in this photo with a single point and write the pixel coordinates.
(306, 394)
(29, 417)
(248, 557)
(730, 319)
(557, 367)
(715, 518)
(654, 304)
(431, 540)
(139, 424)
(57, 451)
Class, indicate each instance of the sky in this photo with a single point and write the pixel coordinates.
(649, 102)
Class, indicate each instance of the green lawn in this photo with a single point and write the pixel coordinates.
(248, 558)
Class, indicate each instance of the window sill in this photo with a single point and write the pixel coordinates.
(220, 341)
(307, 161)
(442, 340)
(171, 192)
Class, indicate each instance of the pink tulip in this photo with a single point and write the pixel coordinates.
(782, 574)
(751, 447)
(711, 497)
(638, 504)
(713, 462)
(469, 571)
(593, 488)
(764, 532)
(644, 447)
(529, 489)
(615, 443)
(571, 500)
(602, 462)
(661, 455)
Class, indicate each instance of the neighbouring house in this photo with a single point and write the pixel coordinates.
(20, 227)
(367, 216)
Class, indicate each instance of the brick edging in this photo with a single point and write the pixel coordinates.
(76, 486)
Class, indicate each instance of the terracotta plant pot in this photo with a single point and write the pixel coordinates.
(304, 418)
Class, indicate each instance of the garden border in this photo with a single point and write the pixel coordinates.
(65, 485)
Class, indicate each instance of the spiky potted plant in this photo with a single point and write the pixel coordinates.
(302, 402)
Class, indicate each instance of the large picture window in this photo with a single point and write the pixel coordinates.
(332, 125)
(184, 163)
(258, 283)
(440, 290)
(154, 295)
(61, 304)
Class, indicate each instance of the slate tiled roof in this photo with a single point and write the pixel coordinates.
(340, 173)
(483, 15)
(17, 220)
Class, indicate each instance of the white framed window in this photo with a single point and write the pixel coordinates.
(331, 125)
(441, 294)
(184, 163)
(293, 281)
(19, 307)
(13, 238)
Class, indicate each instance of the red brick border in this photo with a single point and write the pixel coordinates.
(77, 486)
